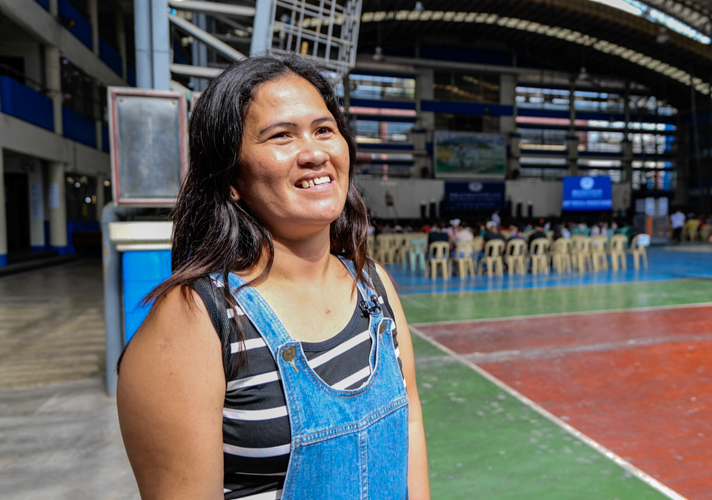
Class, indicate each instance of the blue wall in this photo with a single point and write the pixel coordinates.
(105, 139)
(82, 28)
(131, 76)
(44, 3)
(27, 104)
(78, 128)
(79, 226)
(141, 272)
(110, 56)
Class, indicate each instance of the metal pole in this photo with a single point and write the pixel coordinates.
(113, 307)
(697, 145)
(160, 45)
(261, 42)
(142, 27)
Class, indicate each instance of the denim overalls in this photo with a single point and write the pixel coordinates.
(345, 445)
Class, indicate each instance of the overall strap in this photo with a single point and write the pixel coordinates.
(256, 308)
(371, 302)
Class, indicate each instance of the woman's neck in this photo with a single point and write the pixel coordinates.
(304, 261)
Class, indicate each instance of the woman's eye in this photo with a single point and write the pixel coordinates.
(280, 135)
(324, 130)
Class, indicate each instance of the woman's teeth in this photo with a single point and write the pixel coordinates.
(315, 182)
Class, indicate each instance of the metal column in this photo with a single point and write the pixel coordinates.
(142, 28)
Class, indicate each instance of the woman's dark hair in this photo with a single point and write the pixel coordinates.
(211, 232)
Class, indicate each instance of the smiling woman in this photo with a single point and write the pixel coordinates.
(269, 366)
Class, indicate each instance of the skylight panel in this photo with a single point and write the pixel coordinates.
(640, 9)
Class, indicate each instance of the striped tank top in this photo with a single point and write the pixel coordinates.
(256, 430)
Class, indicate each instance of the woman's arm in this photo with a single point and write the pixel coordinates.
(170, 397)
(418, 483)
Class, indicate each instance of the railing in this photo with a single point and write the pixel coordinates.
(75, 22)
(26, 103)
(78, 128)
(110, 56)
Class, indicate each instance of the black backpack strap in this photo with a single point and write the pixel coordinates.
(226, 327)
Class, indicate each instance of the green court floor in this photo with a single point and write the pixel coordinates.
(438, 307)
(483, 443)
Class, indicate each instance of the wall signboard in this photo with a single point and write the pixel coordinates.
(587, 193)
(469, 154)
(474, 196)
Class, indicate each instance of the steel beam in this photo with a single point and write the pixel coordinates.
(195, 71)
(206, 38)
(213, 8)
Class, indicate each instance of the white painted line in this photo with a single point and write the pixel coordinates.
(556, 315)
(624, 464)
(549, 277)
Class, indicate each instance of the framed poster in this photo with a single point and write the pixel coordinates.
(147, 131)
(469, 155)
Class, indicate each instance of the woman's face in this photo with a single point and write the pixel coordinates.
(295, 162)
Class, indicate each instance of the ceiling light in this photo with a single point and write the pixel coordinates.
(378, 54)
(663, 36)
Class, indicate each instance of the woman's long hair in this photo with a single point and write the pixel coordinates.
(211, 232)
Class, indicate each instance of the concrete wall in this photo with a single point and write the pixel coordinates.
(407, 196)
(31, 52)
(32, 167)
(546, 196)
(22, 137)
(40, 24)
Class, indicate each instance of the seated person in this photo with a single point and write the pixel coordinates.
(492, 233)
(437, 235)
(462, 234)
(538, 233)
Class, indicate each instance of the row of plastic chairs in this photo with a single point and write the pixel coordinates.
(400, 248)
(691, 231)
(579, 253)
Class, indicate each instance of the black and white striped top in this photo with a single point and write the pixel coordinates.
(256, 431)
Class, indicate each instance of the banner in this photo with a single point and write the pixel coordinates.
(474, 196)
(467, 154)
(587, 193)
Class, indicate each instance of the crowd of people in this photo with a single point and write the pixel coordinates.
(457, 230)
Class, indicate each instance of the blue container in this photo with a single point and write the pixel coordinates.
(141, 273)
(110, 56)
(44, 3)
(78, 128)
(25, 103)
(82, 28)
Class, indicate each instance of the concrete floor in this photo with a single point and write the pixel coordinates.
(59, 433)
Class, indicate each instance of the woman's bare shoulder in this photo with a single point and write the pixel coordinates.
(170, 396)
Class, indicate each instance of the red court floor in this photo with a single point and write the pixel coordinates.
(638, 382)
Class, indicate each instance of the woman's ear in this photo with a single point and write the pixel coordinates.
(234, 194)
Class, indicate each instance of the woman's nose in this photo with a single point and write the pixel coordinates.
(311, 153)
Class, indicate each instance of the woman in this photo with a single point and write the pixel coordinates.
(269, 366)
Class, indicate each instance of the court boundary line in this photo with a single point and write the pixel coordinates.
(517, 289)
(575, 313)
(618, 460)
